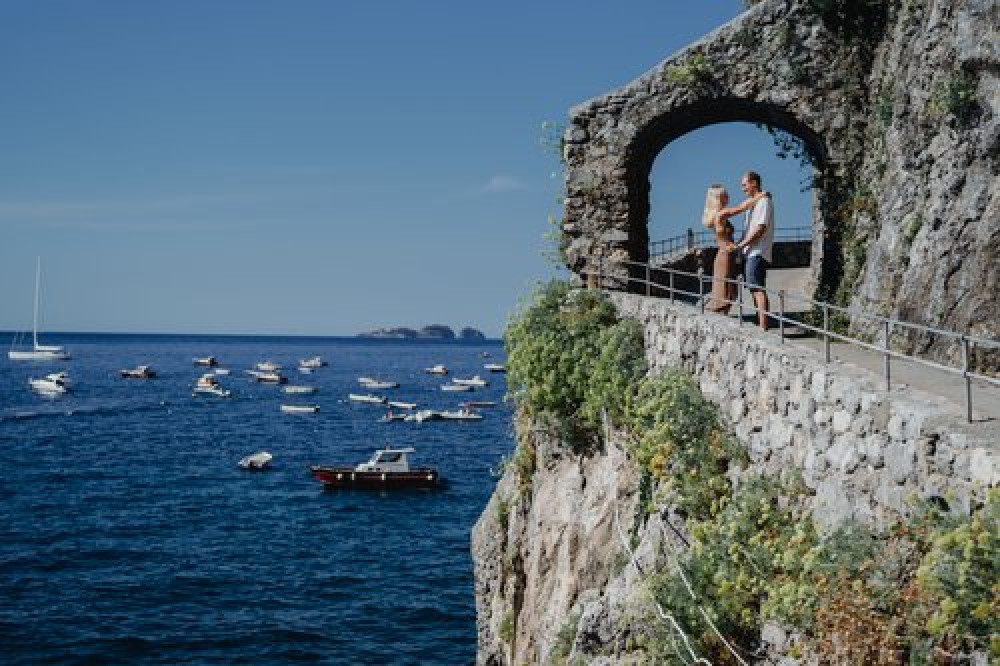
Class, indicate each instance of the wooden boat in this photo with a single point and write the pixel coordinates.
(268, 377)
(260, 460)
(388, 468)
(138, 372)
(300, 409)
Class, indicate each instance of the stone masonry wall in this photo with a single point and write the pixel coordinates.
(861, 448)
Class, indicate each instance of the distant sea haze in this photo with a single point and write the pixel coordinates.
(130, 535)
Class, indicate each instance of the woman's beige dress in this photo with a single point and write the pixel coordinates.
(723, 293)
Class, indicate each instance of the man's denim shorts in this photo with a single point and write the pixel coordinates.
(756, 272)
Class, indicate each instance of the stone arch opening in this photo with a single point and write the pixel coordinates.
(655, 136)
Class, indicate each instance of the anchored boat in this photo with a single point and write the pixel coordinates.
(387, 468)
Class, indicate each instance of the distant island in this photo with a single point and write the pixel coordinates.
(432, 332)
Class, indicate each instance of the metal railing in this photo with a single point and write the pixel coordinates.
(699, 240)
(645, 274)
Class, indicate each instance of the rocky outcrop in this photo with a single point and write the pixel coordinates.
(551, 551)
(900, 115)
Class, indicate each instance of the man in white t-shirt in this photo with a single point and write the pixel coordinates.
(758, 239)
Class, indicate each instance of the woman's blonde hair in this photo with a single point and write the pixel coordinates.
(716, 199)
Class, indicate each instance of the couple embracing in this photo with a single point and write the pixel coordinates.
(755, 246)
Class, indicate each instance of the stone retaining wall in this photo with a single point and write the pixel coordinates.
(863, 449)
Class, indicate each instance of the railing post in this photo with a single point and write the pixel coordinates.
(671, 286)
(826, 330)
(781, 314)
(649, 286)
(739, 297)
(701, 288)
(888, 344)
(968, 379)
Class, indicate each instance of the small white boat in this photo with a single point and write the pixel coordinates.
(461, 415)
(305, 369)
(456, 387)
(393, 417)
(300, 389)
(312, 362)
(55, 383)
(256, 461)
(267, 366)
(208, 385)
(267, 377)
(368, 398)
(424, 415)
(221, 371)
(209, 361)
(495, 367)
(376, 384)
(476, 381)
(437, 370)
(402, 405)
(300, 409)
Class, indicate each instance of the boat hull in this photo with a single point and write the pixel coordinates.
(348, 477)
(38, 355)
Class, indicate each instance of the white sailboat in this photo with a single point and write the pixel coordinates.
(38, 352)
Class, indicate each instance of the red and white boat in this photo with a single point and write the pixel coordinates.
(387, 469)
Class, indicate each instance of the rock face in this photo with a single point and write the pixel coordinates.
(901, 117)
(553, 574)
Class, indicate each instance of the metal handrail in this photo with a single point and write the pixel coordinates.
(828, 334)
(699, 240)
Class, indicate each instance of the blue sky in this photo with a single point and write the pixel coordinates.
(317, 167)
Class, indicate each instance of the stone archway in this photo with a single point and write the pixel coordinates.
(773, 65)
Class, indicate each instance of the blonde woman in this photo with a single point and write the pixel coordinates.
(723, 292)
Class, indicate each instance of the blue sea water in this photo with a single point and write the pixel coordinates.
(129, 535)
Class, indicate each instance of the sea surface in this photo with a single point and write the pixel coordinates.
(128, 535)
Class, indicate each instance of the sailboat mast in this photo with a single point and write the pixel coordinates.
(38, 280)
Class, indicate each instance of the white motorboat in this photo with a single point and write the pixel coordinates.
(393, 417)
(461, 415)
(221, 371)
(402, 405)
(376, 384)
(207, 384)
(300, 409)
(312, 362)
(476, 381)
(437, 370)
(256, 461)
(267, 366)
(267, 377)
(424, 415)
(456, 387)
(300, 389)
(208, 361)
(37, 352)
(495, 367)
(367, 398)
(55, 383)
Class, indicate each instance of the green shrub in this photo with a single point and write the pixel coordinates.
(569, 357)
